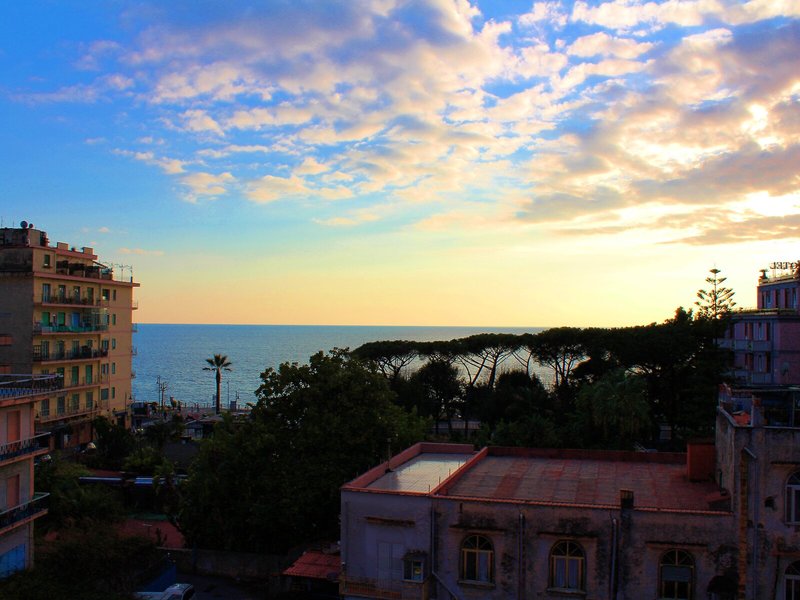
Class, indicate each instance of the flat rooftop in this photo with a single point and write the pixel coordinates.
(657, 484)
(421, 473)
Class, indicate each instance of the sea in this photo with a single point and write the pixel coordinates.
(173, 356)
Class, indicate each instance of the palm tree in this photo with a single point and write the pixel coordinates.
(218, 364)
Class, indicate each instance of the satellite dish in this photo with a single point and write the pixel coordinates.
(24, 224)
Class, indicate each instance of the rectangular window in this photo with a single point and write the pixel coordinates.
(113, 392)
(61, 402)
(45, 318)
(113, 343)
(104, 369)
(75, 375)
(76, 349)
(62, 293)
(104, 345)
(76, 294)
(61, 319)
(114, 319)
(106, 294)
(44, 407)
(46, 261)
(45, 292)
(113, 368)
(90, 295)
(114, 294)
(89, 373)
(75, 403)
(104, 394)
(89, 400)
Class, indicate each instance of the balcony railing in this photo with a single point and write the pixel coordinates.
(12, 385)
(86, 381)
(71, 411)
(84, 352)
(33, 508)
(24, 447)
(370, 588)
(39, 328)
(71, 300)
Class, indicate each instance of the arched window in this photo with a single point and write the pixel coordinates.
(791, 582)
(567, 566)
(477, 559)
(676, 575)
(793, 498)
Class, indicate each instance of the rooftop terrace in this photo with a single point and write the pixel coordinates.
(595, 479)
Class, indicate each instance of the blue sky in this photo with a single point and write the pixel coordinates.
(386, 162)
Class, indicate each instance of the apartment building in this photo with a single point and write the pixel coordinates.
(20, 505)
(765, 340)
(63, 312)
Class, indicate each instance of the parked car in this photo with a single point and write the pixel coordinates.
(177, 591)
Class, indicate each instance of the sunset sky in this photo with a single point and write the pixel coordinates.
(440, 162)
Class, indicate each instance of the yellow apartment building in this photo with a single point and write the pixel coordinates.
(64, 313)
(19, 446)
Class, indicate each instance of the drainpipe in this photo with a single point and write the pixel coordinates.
(612, 584)
(745, 491)
(432, 554)
(521, 557)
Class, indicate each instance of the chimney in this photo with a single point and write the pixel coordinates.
(626, 499)
(700, 460)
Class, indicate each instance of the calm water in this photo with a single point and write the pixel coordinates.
(178, 353)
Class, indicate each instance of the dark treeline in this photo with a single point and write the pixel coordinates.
(608, 387)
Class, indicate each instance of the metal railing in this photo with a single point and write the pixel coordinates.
(82, 353)
(68, 411)
(12, 385)
(71, 300)
(35, 507)
(86, 381)
(23, 447)
(39, 328)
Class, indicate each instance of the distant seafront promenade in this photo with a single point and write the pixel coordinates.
(177, 353)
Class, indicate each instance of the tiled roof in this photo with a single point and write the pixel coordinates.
(656, 484)
(314, 564)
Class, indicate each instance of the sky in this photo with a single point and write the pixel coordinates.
(430, 162)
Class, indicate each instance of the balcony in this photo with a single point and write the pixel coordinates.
(25, 447)
(40, 329)
(370, 588)
(83, 353)
(12, 386)
(70, 301)
(32, 509)
(85, 381)
(64, 267)
(71, 412)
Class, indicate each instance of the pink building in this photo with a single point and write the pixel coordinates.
(766, 340)
(20, 505)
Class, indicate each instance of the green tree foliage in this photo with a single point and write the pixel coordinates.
(614, 410)
(71, 504)
(218, 363)
(440, 391)
(716, 302)
(90, 564)
(114, 443)
(273, 480)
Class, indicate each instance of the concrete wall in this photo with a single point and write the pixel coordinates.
(523, 537)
